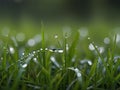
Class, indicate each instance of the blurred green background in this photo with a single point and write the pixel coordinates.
(26, 15)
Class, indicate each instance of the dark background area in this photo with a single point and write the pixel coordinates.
(86, 10)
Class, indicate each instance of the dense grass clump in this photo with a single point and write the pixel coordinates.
(61, 63)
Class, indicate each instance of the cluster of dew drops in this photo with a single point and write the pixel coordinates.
(20, 37)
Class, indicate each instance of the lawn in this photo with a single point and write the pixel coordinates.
(59, 57)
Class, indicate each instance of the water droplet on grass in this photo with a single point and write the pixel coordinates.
(90, 63)
(101, 49)
(56, 36)
(91, 47)
(38, 51)
(41, 49)
(54, 61)
(67, 47)
(46, 49)
(56, 50)
(60, 51)
(24, 65)
(34, 52)
(86, 61)
(23, 54)
(1, 58)
(33, 86)
(12, 50)
(52, 50)
(78, 72)
(35, 60)
(88, 38)
(106, 40)
(31, 42)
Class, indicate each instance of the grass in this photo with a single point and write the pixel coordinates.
(60, 63)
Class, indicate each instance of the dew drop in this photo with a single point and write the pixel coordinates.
(60, 51)
(91, 47)
(34, 52)
(106, 40)
(38, 51)
(23, 54)
(67, 47)
(41, 49)
(84, 61)
(31, 42)
(46, 49)
(35, 60)
(1, 58)
(90, 63)
(88, 38)
(54, 61)
(56, 36)
(12, 50)
(78, 72)
(24, 65)
(53, 50)
(101, 49)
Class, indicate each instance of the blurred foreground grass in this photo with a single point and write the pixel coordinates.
(66, 56)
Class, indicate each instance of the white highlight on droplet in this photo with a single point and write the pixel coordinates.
(86, 61)
(54, 61)
(88, 38)
(67, 47)
(90, 63)
(78, 72)
(35, 60)
(60, 51)
(91, 47)
(106, 40)
(31, 42)
(56, 36)
(12, 50)
(24, 65)
(101, 49)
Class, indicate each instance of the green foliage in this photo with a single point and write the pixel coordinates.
(40, 66)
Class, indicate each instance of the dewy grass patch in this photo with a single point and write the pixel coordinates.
(67, 63)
